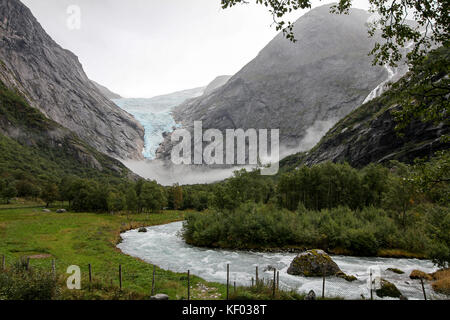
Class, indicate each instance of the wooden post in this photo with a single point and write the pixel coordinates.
(189, 285)
(274, 281)
(54, 268)
(423, 289)
(278, 280)
(153, 281)
(228, 280)
(3, 262)
(323, 284)
(120, 276)
(234, 285)
(257, 275)
(253, 282)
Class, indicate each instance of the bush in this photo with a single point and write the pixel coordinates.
(20, 284)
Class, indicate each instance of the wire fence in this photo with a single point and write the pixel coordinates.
(325, 287)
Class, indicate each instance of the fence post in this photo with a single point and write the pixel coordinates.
(228, 280)
(153, 281)
(274, 281)
(234, 285)
(323, 284)
(189, 284)
(3, 262)
(120, 276)
(54, 268)
(257, 275)
(253, 282)
(423, 289)
(278, 280)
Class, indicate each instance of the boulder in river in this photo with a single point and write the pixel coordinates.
(388, 289)
(395, 270)
(142, 229)
(160, 296)
(417, 274)
(313, 263)
(311, 295)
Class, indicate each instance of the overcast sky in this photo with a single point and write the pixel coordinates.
(143, 48)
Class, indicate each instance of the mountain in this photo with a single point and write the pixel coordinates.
(35, 147)
(106, 92)
(312, 83)
(369, 135)
(216, 83)
(53, 81)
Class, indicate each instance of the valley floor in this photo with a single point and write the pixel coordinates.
(90, 238)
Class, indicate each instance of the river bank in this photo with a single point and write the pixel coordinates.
(163, 246)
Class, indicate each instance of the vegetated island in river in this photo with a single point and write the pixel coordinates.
(374, 211)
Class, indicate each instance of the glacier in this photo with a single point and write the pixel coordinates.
(155, 115)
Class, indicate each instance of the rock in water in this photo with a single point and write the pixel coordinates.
(311, 295)
(388, 289)
(61, 211)
(417, 274)
(313, 263)
(142, 229)
(160, 296)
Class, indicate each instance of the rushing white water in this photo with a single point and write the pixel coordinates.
(378, 91)
(162, 246)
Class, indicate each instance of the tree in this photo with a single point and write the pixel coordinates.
(116, 201)
(9, 192)
(177, 192)
(49, 193)
(131, 200)
(152, 196)
(401, 191)
(431, 16)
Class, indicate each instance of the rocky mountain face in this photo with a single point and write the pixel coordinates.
(216, 83)
(106, 92)
(369, 134)
(53, 81)
(31, 142)
(289, 86)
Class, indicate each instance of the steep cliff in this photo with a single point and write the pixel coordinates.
(53, 81)
(32, 144)
(369, 134)
(293, 86)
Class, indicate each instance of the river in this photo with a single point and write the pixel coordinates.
(163, 246)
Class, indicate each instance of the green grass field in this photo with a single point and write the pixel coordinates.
(90, 238)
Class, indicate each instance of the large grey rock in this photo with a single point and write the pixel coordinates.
(313, 263)
(160, 296)
(53, 81)
(301, 88)
(310, 296)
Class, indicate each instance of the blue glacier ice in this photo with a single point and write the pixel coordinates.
(155, 115)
